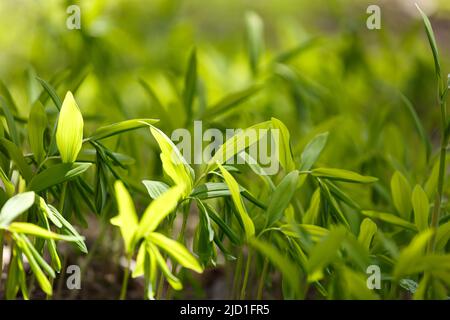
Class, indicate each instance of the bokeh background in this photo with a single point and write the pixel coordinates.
(321, 69)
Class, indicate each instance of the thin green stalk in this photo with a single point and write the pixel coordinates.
(62, 201)
(262, 279)
(61, 278)
(442, 169)
(160, 289)
(126, 276)
(237, 275)
(246, 275)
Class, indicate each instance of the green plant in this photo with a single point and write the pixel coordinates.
(359, 186)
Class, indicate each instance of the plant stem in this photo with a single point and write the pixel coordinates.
(126, 276)
(62, 200)
(160, 289)
(246, 274)
(262, 279)
(442, 170)
(237, 275)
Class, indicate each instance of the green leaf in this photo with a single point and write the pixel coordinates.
(294, 231)
(367, 231)
(212, 213)
(39, 259)
(174, 165)
(442, 236)
(9, 187)
(255, 29)
(324, 253)
(354, 285)
(249, 228)
(401, 195)
(421, 207)
(342, 175)
(12, 129)
(51, 244)
(37, 124)
(176, 250)
(286, 157)
(159, 209)
(390, 218)
(29, 228)
(281, 197)
(420, 130)
(312, 214)
(155, 188)
(69, 133)
(238, 143)
(57, 174)
(48, 213)
(15, 206)
(39, 274)
(313, 150)
(211, 190)
(120, 127)
(279, 259)
(51, 92)
(127, 219)
(190, 83)
(409, 256)
(230, 102)
(333, 204)
(15, 154)
(174, 282)
(67, 228)
(432, 41)
(432, 182)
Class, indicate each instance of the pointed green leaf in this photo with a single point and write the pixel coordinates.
(176, 250)
(29, 228)
(57, 174)
(120, 127)
(159, 209)
(367, 231)
(69, 133)
(421, 207)
(313, 150)
(15, 206)
(342, 175)
(247, 222)
(432, 41)
(155, 188)
(174, 165)
(126, 219)
(174, 282)
(281, 197)
(190, 83)
(401, 195)
(390, 218)
(37, 124)
(239, 142)
(409, 256)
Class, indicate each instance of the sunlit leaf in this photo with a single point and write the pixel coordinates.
(176, 250)
(247, 222)
(69, 133)
(126, 219)
(401, 195)
(342, 175)
(421, 207)
(15, 206)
